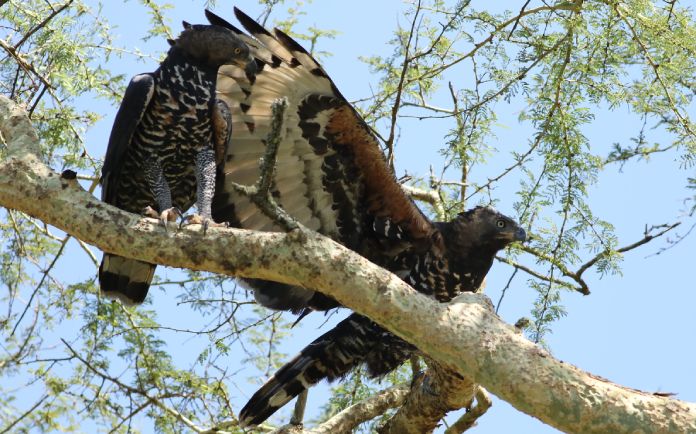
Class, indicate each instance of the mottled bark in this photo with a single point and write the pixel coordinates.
(433, 395)
(463, 335)
(344, 421)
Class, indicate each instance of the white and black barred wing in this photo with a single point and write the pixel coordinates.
(331, 174)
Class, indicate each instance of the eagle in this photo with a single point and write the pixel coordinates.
(168, 137)
(332, 177)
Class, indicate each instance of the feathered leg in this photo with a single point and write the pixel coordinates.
(163, 196)
(205, 181)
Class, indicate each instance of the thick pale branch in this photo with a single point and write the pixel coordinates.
(346, 420)
(463, 335)
(468, 420)
(364, 410)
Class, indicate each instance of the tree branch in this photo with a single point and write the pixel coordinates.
(464, 336)
(468, 420)
(428, 196)
(261, 193)
(432, 396)
(346, 420)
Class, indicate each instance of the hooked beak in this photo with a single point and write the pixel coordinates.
(520, 235)
(248, 65)
(251, 68)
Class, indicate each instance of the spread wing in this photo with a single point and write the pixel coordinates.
(135, 101)
(331, 174)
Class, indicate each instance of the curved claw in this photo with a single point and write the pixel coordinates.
(166, 216)
(149, 211)
(170, 215)
(197, 219)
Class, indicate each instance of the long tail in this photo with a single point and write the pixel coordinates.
(125, 279)
(353, 341)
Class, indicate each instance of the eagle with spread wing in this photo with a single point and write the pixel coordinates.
(162, 150)
(332, 177)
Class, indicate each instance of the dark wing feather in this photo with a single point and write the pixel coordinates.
(354, 341)
(331, 174)
(217, 20)
(135, 101)
(122, 278)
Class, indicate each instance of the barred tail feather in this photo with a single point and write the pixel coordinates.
(125, 279)
(286, 384)
(353, 341)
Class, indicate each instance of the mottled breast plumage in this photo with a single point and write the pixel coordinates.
(165, 142)
(174, 128)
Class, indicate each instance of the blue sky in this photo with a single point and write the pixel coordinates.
(635, 329)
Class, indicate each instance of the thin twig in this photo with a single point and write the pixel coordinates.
(655, 67)
(517, 21)
(42, 24)
(646, 239)
(477, 46)
(540, 276)
(26, 413)
(399, 90)
(132, 390)
(505, 288)
(41, 282)
(300, 405)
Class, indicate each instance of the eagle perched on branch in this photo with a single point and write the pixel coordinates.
(161, 155)
(332, 177)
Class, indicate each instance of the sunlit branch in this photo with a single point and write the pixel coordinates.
(429, 196)
(473, 413)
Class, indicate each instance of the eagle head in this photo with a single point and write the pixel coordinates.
(212, 46)
(485, 229)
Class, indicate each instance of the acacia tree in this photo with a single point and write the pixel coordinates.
(561, 62)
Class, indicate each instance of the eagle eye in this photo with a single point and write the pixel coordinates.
(237, 50)
(500, 223)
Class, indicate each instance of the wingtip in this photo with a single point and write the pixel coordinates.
(241, 16)
(289, 42)
(245, 421)
(249, 23)
(238, 11)
(217, 20)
